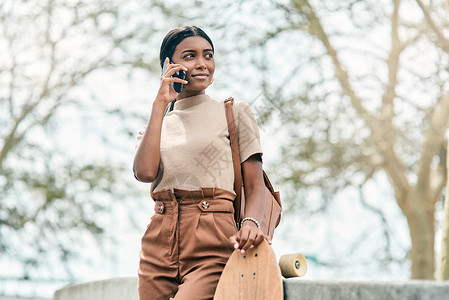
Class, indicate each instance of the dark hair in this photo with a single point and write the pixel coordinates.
(175, 36)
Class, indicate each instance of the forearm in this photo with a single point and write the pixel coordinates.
(147, 157)
(254, 188)
(255, 202)
(249, 235)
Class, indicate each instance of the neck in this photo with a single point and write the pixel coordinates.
(187, 93)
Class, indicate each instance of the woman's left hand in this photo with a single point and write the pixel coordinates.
(248, 236)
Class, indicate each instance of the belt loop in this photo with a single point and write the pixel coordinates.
(167, 195)
(172, 196)
(163, 195)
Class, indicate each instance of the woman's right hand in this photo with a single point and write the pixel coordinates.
(167, 93)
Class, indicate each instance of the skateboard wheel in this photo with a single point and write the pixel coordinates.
(293, 265)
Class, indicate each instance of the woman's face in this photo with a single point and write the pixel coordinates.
(196, 54)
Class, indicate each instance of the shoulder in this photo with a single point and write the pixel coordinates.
(243, 110)
(242, 106)
(239, 106)
(240, 103)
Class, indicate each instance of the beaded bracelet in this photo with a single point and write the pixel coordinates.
(250, 219)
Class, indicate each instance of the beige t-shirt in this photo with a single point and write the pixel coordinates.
(195, 148)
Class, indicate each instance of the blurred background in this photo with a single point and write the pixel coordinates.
(352, 99)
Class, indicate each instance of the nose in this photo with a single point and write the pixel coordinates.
(201, 64)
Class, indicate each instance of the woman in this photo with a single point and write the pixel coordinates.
(186, 155)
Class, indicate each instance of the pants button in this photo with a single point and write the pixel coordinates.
(205, 204)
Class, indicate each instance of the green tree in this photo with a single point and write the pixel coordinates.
(56, 196)
(369, 95)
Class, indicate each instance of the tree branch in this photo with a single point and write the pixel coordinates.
(387, 113)
(393, 165)
(433, 140)
(440, 36)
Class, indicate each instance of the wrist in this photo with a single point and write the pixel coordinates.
(159, 104)
(249, 219)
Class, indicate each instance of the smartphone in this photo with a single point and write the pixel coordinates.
(177, 86)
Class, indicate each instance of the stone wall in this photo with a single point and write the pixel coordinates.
(365, 290)
(111, 289)
(20, 298)
(297, 289)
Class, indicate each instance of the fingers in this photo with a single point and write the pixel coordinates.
(169, 80)
(268, 239)
(166, 92)
(234, 240)
(248, 237)
(172, 69)
(259, 238)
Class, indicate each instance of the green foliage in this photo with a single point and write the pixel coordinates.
(56, 197)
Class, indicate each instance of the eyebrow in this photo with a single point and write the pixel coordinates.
(205, 50)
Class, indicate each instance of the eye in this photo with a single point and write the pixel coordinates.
(209, 55)
(190, 55)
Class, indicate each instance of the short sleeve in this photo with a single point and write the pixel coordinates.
(247, 131)
(140, 136)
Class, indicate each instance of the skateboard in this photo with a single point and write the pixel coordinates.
(256, 275)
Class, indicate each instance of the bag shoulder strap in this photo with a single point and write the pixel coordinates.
(238, 180)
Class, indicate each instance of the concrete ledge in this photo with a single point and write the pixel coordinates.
(21, 298)
(110, 289)
(294, 289)
(300, 289)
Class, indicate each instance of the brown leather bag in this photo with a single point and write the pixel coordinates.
(273, 207)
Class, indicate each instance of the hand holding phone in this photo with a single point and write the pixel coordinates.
(177, 86)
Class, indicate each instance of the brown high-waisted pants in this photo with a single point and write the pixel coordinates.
(186, 246)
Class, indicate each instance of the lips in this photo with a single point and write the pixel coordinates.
(201, 75)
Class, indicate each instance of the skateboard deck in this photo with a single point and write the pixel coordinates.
(254, 275)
